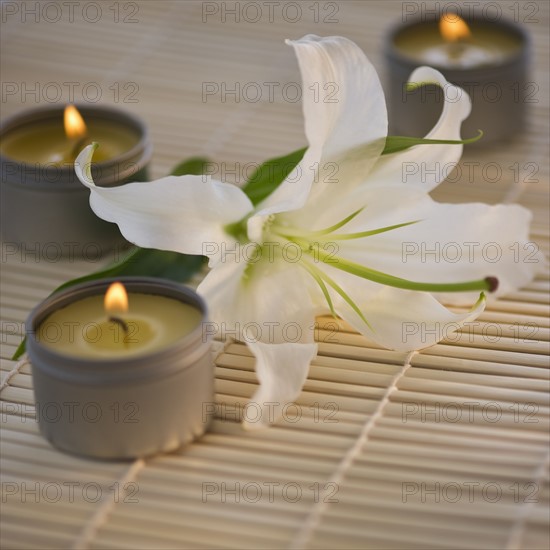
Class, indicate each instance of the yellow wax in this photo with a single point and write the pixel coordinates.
(82, 329)
(44, 142)
(487, 45)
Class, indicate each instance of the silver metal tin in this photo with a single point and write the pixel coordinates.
(499, 92)
(123, 408)
(44, 204)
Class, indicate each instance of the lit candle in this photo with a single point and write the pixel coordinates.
(118, 325)
(455, 44)
(58, 141)
(42, 200)
(488, 59)
(121, 370)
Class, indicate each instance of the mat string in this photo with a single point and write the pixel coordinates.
(105, 507)
(301, 540)
(15, 370)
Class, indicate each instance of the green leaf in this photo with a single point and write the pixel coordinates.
(267, 177)
(394, 144)
(194, 166)
(162, 263)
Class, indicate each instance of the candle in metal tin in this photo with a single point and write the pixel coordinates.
(488, 59)
(42, 200)
(121, 379)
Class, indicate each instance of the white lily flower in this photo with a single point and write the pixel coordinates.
(359, 247)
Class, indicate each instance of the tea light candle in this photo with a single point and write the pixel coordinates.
(42, 199)
(51, 142)
(455, 44)
(117, 325)
(146, 360)
(488, 59)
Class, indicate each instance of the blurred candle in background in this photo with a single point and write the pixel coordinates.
(42, 200)
(488, 59)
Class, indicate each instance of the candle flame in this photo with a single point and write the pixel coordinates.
(75, 127)
(453, 28)
(116, 299)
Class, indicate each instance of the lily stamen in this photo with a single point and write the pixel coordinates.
(321, 277)
(344, 236)
(489, 284)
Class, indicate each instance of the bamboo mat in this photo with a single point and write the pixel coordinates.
(447, 448)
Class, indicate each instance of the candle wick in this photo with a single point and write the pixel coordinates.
(457, 49)
(120, 322)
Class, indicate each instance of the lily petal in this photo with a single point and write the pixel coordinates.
(256, 304)
(344, 109)
(281, 370)
(269, 302)
(424, 162)
(404, 320)
(450, 243)
(180, 213)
